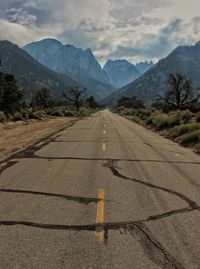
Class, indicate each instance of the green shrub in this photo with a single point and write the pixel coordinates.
(143, 114)
(173, 120)
(183, 129)
(129, 112)
(84, 112)
(76, 114)
(49, 111)
(57, 113)
(187, 116)
(160, 121)
(119, 109)
(149, 121)
(68, 113)
(18, 116)
(190, 138)
(38, 115)
(2, 116)
(25, 113)
(198, 117)
(136, 119)
(197, 148)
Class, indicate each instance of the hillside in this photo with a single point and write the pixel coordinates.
(30, 74)
(184, 59)
(121, 72)
(79, 64)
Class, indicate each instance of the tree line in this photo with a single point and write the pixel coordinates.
(180, 95)
(12, 99)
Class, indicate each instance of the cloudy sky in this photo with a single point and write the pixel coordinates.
(131, 29)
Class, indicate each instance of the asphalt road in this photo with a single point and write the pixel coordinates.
(103, 193)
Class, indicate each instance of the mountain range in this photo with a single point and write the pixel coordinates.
(82, 66)
(66, 59)
(30, 74)
(76, 63)
(185, 59)
(49, 63)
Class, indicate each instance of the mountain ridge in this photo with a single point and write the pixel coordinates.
(121, 72)
(184, 59)
(68, 60)
(30, 74)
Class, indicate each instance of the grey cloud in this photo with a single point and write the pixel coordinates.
(25, 12)
(141, 20)
(154, 45)
(195, 23)
(20, 16)
(30, 4)
(79, 36)
(129, 8)
(111, 28)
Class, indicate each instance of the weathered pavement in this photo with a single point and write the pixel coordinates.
(103, 193)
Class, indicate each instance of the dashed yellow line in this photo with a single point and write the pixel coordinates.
(100, 214)
(104, 146)
(104, 132)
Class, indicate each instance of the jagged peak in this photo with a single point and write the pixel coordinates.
(197, 44)
(7, 42)
(89, 51)
(117, 61)
(46, 41)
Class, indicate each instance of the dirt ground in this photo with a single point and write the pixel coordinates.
(17, 135)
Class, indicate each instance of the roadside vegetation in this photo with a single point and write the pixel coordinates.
(176, 115)
(15, 107)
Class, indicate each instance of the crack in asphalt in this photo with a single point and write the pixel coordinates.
(6, 165)
(151, 246)
(83, 200)
(106, 226)
(154, 249)
(151, 146)
(31, 149)
(112, 166)
(30, 153)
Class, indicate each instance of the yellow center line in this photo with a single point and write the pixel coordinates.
(100, 215)
(104, 132)
(104, 146)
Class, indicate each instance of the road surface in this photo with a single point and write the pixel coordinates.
(103, 193)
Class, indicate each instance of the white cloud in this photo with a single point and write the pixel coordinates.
(132, 29)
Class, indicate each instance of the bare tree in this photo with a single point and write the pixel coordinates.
(75, 96)
(180, 92)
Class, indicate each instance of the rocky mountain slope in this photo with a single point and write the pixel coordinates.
(121, 72)
(30, 74)
(185, 59)
(79, 64)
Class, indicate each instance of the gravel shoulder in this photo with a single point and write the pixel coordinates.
(15, 136)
